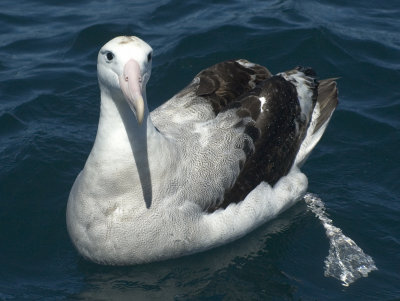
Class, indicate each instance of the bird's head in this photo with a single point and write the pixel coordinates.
(124, 67)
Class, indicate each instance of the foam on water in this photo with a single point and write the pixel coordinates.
(345, 261)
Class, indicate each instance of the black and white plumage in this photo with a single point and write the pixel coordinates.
(206, 167)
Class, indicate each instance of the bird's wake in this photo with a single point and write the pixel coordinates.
(345, 261)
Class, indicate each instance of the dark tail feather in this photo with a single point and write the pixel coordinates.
(327, 100)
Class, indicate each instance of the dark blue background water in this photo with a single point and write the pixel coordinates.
(49, 106)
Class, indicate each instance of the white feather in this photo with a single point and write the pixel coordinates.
(143, 194)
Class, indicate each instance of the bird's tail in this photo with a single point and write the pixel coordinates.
(326, 104)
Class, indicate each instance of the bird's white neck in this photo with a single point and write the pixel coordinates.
(125, 154)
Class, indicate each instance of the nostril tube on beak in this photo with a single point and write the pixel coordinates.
(131, 86)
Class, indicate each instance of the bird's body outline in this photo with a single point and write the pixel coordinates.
(174, 185)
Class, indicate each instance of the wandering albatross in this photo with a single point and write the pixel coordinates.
(215, 161)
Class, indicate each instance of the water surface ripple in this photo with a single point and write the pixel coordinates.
(49, 107)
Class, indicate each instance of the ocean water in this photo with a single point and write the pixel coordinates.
(49, 108)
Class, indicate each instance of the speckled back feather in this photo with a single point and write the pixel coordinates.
(265, 120)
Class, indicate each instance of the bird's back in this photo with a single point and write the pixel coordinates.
(246, 123)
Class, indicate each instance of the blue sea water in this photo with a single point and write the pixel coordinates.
(49, 107)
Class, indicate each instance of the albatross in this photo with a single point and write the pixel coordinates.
(214, 162)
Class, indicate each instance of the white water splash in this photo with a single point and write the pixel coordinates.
(345, 261)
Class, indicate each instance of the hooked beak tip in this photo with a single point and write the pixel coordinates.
(139, 110)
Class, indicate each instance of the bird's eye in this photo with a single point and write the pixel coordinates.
(149, 57)
(109, 56)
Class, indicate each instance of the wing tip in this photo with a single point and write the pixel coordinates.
(327, 100)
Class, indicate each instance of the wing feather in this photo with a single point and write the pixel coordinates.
(271, 115)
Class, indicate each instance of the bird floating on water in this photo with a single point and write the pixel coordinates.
(215, 161)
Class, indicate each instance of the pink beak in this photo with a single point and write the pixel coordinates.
(131, 83)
